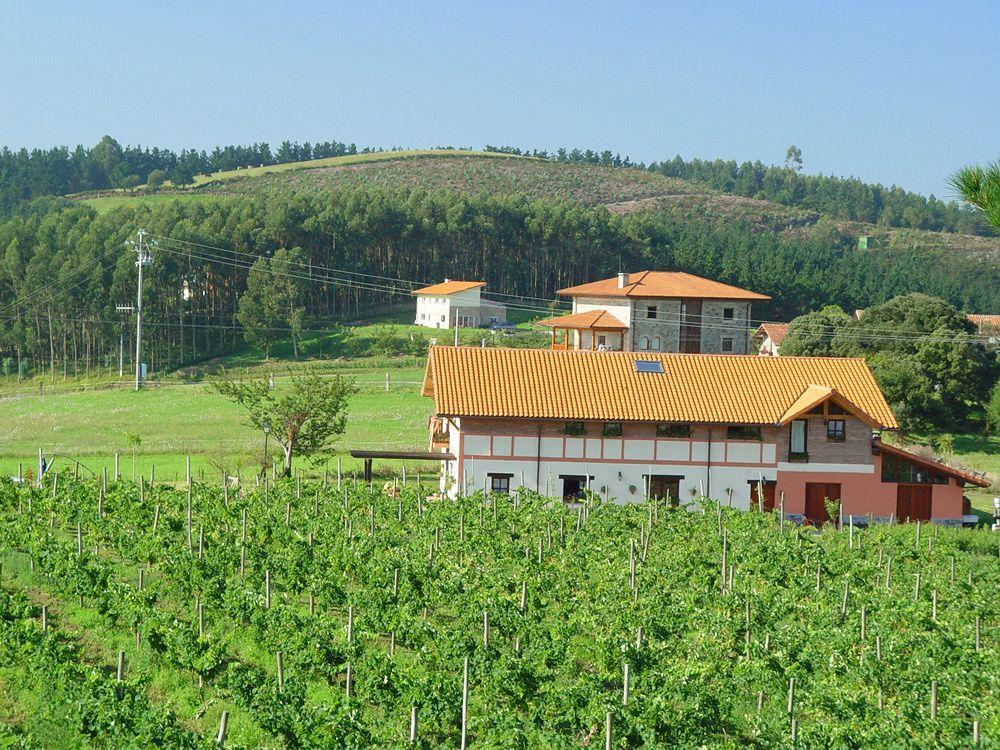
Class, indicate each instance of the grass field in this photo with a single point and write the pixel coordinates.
(178, 415)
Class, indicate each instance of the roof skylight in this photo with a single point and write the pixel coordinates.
(645, 365)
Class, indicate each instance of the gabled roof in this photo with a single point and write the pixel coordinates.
(774, 331)
(814, 395)
(659, 284)
(448, 287)
(705, 388)
(936, 466)
(597, 319)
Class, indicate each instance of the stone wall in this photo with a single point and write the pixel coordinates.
(666, 326)
(715, 327)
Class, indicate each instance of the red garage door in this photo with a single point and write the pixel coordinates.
(817, 493)
(913, 502)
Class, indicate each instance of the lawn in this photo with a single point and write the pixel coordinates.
(176, 420)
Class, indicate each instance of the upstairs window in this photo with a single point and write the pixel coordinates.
(670, 430)
(612, 429)
(797, 441)
(651, 312)
(656, 344)
(644, 343)
(574, 428)
(742, 432)
(729, 313)
(727, 344)
(836, 431)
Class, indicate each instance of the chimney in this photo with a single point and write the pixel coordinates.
(622, 280)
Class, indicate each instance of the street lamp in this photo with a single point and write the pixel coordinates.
(266, 426)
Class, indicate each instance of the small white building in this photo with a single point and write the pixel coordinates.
(768, 338)
(457, 303)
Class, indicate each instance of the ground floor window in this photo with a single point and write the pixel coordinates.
(664, 486)
(573, 486)
(499, 483)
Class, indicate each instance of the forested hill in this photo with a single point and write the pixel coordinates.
(25, 175)
(360, 230)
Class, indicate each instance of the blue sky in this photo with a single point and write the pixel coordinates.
(898, 93)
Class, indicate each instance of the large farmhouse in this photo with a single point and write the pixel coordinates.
(746, 430)
(457, 303)
(656, 311)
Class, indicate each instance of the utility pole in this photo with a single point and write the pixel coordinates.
(121, 339)
(143, 258)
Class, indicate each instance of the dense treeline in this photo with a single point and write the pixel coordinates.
(58, 171)
(838, 197)
(63, 268)
(929, 360)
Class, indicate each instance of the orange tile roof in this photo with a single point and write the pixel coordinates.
(600, 319)
(547, 384)
(814, 395)
(985, 321)
(658, 284)
(449, 287)
(976, 479)
(774, 331)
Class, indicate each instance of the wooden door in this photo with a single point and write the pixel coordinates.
(913, 502)
(768, 498)
(817, 493)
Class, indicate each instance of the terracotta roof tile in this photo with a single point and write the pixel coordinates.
(774, 331)
(547, 384)
(657, 284)
(600, 319)
(449, 287)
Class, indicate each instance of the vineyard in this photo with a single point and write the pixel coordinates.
(333, 614)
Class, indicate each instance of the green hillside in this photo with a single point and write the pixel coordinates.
(623, 191)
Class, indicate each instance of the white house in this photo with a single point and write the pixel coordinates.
(745, 430)
(458, 303)
(768, 338)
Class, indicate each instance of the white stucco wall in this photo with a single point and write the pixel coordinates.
(618, 466)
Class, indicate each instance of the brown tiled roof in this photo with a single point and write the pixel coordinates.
(913, 458)
(658, 284)
(547, 384)
(985, 321)
(449, 287)
(600, 319)
(774, 331)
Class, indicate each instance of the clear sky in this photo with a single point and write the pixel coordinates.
(898, 93)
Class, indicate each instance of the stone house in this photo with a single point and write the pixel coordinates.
(656, 311)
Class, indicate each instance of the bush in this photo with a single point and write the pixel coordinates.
(7, 367)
